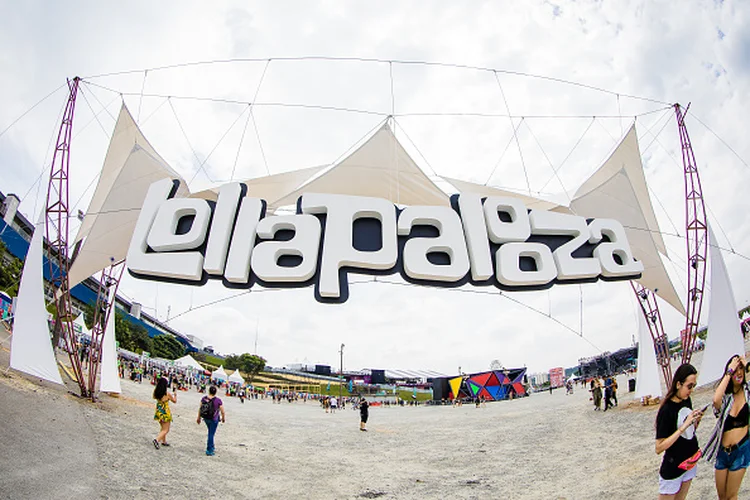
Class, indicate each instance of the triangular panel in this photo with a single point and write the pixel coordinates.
(379, 168)
(618, 190)
(473, 387)
(455, 384)
(492, 380)
(480, 379)
(31, 349)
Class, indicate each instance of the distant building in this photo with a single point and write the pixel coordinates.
(197, 343)
(16, 232)
(557, 376)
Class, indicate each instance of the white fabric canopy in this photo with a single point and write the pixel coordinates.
(188, 361)
(617, 190)
(31, 349)
(647, 381)
(725, 337)
(270, 187)
(379, 168)
(131, 165)
(482, 190)
(219, 374)
(110, 379)
(236, 377)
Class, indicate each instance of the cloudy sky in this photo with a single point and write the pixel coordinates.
(296, 62)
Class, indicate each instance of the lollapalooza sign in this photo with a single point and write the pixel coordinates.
(483, 241)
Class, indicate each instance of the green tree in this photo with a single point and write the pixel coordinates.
(130, 336)
(166, 346)
(250, 364)
(10, 271)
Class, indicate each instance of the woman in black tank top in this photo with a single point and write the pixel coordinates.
(729, 444)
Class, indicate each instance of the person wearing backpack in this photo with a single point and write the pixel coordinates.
(211, 409)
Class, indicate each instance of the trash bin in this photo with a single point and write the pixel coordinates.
(631, 385)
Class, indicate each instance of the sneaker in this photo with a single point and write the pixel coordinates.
(165, 444)
(210, 453)
(156, 444)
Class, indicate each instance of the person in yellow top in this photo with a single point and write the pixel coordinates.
(163, 414)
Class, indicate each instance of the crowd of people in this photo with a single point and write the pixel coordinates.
(606, 391)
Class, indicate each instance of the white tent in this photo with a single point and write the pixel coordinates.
(31, 348)
(236, 377)
(187, 361)
(618, 190)
(269, 187)
(379, 168)
(79, 326)
(647, 381)
(219, 374)
(131, 165)
(724, 332)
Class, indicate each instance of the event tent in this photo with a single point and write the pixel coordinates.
(219, 374)
(188, 362)
(236, 377)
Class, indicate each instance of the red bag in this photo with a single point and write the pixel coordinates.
(692, 461)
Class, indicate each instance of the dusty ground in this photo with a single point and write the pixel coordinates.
(544, 446)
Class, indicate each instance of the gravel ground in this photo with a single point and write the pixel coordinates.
(544, 446)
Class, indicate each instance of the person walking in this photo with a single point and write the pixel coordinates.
(211, 410)
(614, 389)
(596, 393)
(334, 404)
(163, 414)
(364, 414)
(729, 447)
(676, 423)
(607, 393)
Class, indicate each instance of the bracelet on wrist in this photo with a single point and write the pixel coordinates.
(729, 372)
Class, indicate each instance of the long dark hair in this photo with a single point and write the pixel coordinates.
(680, 375)
(161, 388)
(730, 385)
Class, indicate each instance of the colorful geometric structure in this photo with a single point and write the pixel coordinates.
(494, 385)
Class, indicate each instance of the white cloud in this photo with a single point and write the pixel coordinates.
(631, 48)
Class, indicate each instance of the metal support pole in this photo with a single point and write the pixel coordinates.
(105, 307)
(697, 237)
(650, 309)
(341, 372)
(58, 216)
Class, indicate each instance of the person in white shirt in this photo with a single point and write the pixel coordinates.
(334, 404)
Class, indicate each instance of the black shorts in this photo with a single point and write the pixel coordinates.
(363, 417)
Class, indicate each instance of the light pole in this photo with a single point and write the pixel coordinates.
(341, 370)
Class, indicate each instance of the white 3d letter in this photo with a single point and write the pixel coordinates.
(475, 232)
(338, 249)
(450, 241)
(243, 240)
(305, 244)
(181, 265)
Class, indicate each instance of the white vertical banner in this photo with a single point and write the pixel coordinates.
(31, 348)
(110, 379)
(725, 337)
(647, 381)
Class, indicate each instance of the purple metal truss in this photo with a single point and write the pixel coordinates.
(58, 216)
(697, 238)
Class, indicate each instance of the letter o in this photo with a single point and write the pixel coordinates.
(508, 262)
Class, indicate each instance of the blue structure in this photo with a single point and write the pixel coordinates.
(84, 292)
